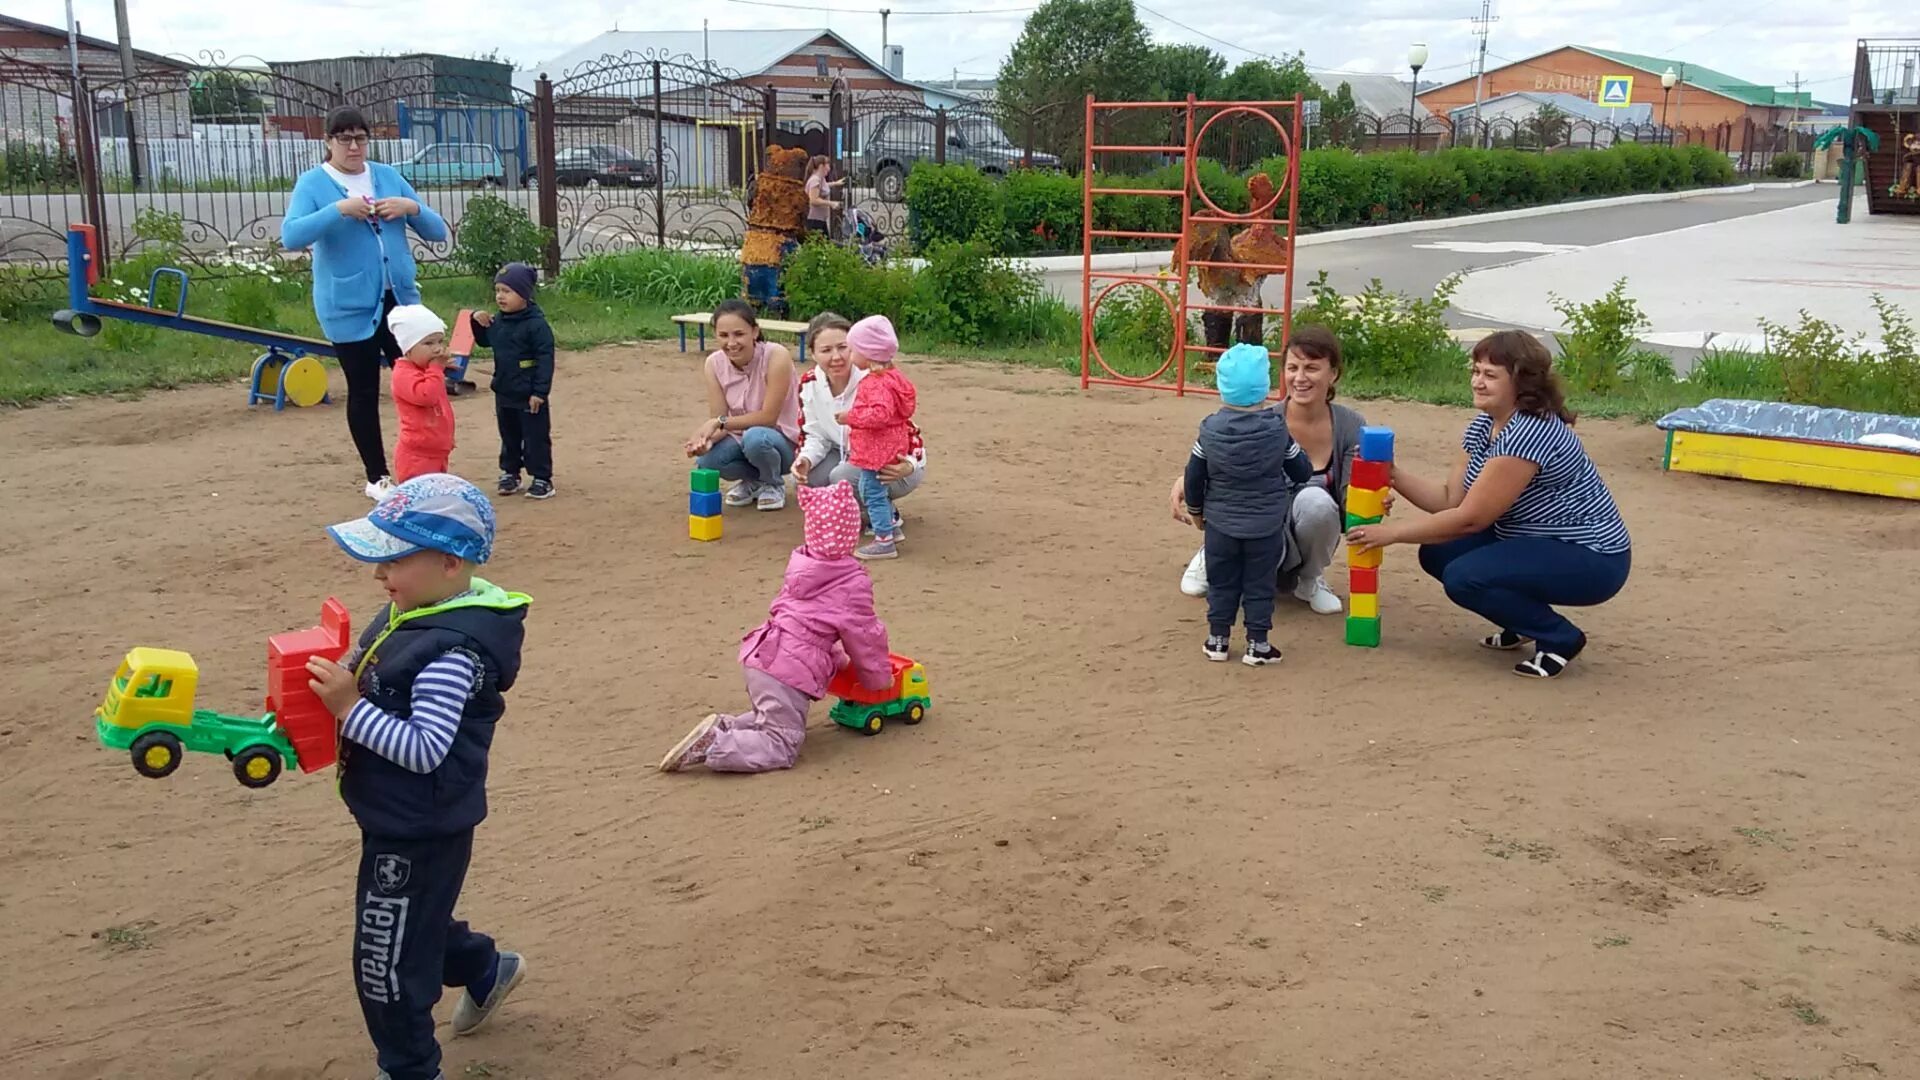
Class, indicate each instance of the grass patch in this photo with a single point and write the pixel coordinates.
(1758, 836)
(126, 938)
(1802, 1009)
(1613, 940)
(1434, 893)
(1533, 850)
(1908, 936)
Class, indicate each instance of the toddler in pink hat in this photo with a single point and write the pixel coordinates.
(879, 426)
(822, 621)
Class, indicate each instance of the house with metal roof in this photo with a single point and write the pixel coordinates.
(1699, 99)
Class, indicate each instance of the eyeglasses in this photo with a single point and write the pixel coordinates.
(353, 140)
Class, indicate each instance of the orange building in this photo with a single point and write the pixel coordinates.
(1704, 105)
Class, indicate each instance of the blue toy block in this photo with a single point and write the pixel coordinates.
(1376, 444)
(703, 504)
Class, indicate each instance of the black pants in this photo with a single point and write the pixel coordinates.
(406, 945)
(360, 362)
(526, 440)
(1247, 328)
(1242, 572)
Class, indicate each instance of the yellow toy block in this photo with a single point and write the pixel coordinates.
(703, 528)
(1367, 502)
(1364, 605)
(1365, 560)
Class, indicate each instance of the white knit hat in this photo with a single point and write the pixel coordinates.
(410, 323)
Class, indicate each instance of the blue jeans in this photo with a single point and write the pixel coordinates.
(878, 501)
(1511, 582)
(761, 455)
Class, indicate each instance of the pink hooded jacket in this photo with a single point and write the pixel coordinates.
(823, 617)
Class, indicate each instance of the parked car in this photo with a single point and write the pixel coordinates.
(596, 166)
(899, 142)
(448, 164)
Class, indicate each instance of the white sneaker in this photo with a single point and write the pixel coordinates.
(1316, 594)
(1194, 581)
(742, 493)
(772, 497)
(379, 489)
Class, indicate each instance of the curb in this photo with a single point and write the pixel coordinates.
(1154, 260)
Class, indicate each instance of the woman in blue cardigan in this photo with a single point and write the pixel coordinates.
(354, 214)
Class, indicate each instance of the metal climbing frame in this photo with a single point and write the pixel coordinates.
(1187, 115)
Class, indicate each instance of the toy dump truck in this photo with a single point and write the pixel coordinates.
(149, 709)
(867, 711)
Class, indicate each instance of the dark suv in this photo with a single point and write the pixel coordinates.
(596, 166)
(899, 142)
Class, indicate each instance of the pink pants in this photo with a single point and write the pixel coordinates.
(767, 738)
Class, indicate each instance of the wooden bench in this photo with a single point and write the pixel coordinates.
(700, 320)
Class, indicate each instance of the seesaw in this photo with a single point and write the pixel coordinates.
(288, 373)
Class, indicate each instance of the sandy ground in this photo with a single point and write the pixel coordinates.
(1099, 857)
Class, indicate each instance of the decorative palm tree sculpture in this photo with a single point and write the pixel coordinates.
(1850, 139)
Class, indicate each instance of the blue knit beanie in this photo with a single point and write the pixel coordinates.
(519, 277)
(1244, 375)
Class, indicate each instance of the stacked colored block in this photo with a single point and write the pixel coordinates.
(703, 505)
(1367, 489)
(308, 725)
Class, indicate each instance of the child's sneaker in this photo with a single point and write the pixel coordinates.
(1260, 654)
(692, 748)
(742, 493)
(540, 489)
(771, 497)
(1216, 649)
(509, 483)
(883, 547)
(469, 1015)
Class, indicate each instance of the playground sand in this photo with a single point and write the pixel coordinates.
(1099, 857)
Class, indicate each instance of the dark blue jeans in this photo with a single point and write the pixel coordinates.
(1511, 583)
(1242, 573)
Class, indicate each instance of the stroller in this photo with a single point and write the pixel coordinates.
(860, 232)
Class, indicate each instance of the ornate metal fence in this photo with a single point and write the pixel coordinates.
(40, 189)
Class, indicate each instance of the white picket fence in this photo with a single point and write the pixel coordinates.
(261, 160)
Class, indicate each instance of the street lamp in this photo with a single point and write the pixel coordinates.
(1416, 59)
(1667, 79)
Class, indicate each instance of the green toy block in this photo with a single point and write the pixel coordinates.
(1363, 632)
(705, 480)
(1356, 520)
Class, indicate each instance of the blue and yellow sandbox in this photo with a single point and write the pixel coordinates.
(1774, 443)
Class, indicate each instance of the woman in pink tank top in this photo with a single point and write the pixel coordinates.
(753, 401)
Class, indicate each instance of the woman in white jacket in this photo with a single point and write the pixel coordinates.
(826, 390)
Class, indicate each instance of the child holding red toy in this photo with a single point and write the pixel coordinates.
(822, 621)
(420, 393)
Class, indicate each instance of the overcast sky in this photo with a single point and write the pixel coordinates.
(1760, 40)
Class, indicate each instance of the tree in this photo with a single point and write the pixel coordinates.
(1550, 126)
(226, 94)
(1264, 80)
(1339, 117)
(1067, 50)
(1179, 70)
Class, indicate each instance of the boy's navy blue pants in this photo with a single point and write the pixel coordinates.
(1242, 573)
(526, 440)
(406, 945)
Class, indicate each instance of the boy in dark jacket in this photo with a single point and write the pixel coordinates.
(417, 700)
(522, 344)
(1240, 481)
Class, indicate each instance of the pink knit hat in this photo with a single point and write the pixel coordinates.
(873, 338)
(832, 520)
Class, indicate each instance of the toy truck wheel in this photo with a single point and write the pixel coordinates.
(873, 725)
(257, 766)
(916, 712)
(156, 754)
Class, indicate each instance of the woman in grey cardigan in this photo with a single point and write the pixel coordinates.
(1330, 435)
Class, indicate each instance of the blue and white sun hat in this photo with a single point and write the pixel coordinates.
(438, 512)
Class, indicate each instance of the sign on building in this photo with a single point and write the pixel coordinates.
(1616, 91)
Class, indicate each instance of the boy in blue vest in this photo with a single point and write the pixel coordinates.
(417, 703)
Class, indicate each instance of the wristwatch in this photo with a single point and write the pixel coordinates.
(722, 421)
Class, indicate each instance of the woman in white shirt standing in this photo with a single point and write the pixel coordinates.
(826, 390)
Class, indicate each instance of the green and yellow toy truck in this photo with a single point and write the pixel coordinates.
(867, 711)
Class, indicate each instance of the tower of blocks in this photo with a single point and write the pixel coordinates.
(1367, 505)
(703, 505)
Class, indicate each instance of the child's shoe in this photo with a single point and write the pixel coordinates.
(1216, 648)
(540, 489)
(899, 528)
(1260, 654)
(509, 483)
(883, 547)
(469, 1015)
(692, 748)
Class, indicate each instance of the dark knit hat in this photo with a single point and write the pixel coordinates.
(519, 277)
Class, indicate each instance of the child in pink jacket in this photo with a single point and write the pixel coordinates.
(879, 427)
(822, 621)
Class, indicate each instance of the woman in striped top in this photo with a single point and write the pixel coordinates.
(1523, 521)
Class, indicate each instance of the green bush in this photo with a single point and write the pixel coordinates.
(1385, 337)
(968, 296)
(1041, 212)
(828, 277)
(654, 276)
(1787, 166)
(23, 164)
(492, 233)
(1708, 167)
(1600, 349)
(951, 203)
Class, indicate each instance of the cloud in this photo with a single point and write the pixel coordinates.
(1764, 41)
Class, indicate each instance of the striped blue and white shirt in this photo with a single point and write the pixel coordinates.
(1566, 499)
(418, 741)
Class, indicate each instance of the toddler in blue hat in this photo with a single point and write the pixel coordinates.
(417, 701)
(1240, 482)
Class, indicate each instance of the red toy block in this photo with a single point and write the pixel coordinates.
(845, 684)
(309, 726)
(1362, 580)
(1371, 474)
(461, 343)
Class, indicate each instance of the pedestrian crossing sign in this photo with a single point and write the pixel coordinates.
(1616, 91)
